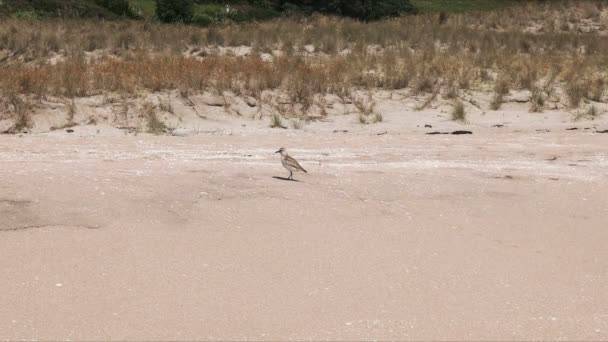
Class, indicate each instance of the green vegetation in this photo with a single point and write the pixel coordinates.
(119, 7)
(170, 11)
(144, 8)
(34, 9)
(358, 9)
(206, 12)
(27, 15)
(459, 6)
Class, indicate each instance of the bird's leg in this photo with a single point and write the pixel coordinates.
(290, 175)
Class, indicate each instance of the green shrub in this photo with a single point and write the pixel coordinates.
(359, 9)
(27, 15)
(202, 19)
(257, 13)
(207, 14)
(38, 9)
(170, 11)
(120, 7)
(374, 9)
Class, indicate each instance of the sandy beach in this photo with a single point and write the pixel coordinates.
(403, 235)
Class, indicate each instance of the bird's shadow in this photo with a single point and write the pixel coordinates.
(286, 179)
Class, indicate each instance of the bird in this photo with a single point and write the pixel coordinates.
(289, 163)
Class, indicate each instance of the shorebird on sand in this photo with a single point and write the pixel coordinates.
(289, 163)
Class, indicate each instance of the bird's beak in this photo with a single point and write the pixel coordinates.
(279, 151)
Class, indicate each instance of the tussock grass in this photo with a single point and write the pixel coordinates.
(497, 101)
(71, 112)
(501, 89)
(598, 88)
(365, 107)
(591, 113)
(276, 121)
(432, 98)
(377, 118)
(459, 112)
(370, 119)
(17, 108)
(451, 92)
(576, 92)
(367, 110)
(537, 102)
(165, 105)
(297, 123)
(154, 124)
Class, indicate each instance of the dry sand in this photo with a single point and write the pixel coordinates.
(496, 235)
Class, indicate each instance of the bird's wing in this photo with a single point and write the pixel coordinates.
(294, 163)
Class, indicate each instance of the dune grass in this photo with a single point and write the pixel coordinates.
(415, 55)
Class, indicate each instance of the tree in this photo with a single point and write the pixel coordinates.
(359, 9)
(120, 7)
(375, 9)
(174, 10)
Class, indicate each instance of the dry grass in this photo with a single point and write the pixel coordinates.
(276, 121)
(433, 96)
(367, 110)
(165, 105)
(537, 102)
(591, 113)
(459, 112)
(154, 124)
(20, 110)
(576, 92)
(598, 87)
(516, 48)
(451, 92)
(297, 123)
(497, 101)
(71, 112)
